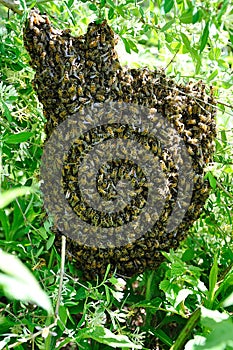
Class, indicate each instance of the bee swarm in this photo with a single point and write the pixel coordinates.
(72, 72)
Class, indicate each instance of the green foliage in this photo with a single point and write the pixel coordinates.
(9, 196)
(18, 282)
(188, 301)
(218, 332)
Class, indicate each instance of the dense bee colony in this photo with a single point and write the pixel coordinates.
(75, 72)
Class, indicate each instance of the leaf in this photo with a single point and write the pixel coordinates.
(7, 112)
(212, 75)
(191, 344)
(187, 17)
(162, 336)
(167, 25)
(93, 7)
(107, 292)
(197, 16)
(102, 3)
(111, 13)
(151, 304)
(4, 219)
(105, 336)
(188, 255)
(209, 318)
(142, 13)
(168, 38)
(8, 196)
(62, 317)
(223, 9)
(186, 41)
(132, 45)
(50, 241)
(165, 285)
(4, 342)
(221, 337)
(221, 326)
(18, 138)
(107, 272)
(214, 53)
(212, 180)
(182, 295)
(228, 301)
(168, 5)
(42, 232)
(204, 37)
(121, 11)
(228, 169)
(127, 45)
(111, 3)
(19, 283)
(81, 294)
(213, 281)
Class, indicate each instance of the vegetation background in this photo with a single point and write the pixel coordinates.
(188, 302)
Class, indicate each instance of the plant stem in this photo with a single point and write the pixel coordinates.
(184, 334)
(148, 296)
(148, 285)
(62, 270)
(51, 259)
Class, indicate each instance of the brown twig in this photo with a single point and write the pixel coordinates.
(12, 5)
(171, 60)
(197, 99)
(223, 189)
(225, 104)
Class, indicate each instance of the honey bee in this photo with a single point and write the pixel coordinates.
(191, 122)
(80, 90)
(52, 44)
(163, 166)
(100, 97)
(190, 150)
(72, 89)
(83, 99)
(120, 129)
(93, 43)
(129, 265)
(36, 31)
(41, 263)
(66, 77)
(67, 196)
(80, 76)
(115, 66)
(190, 109)
(146, 145)
(90, 63)
(188, 133)
(204, 191)
(203, 127)
(102, 38)
(110, 131)
(93, 88)
(193, 142)
(101, 191)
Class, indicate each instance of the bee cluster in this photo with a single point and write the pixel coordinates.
(73, 73)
